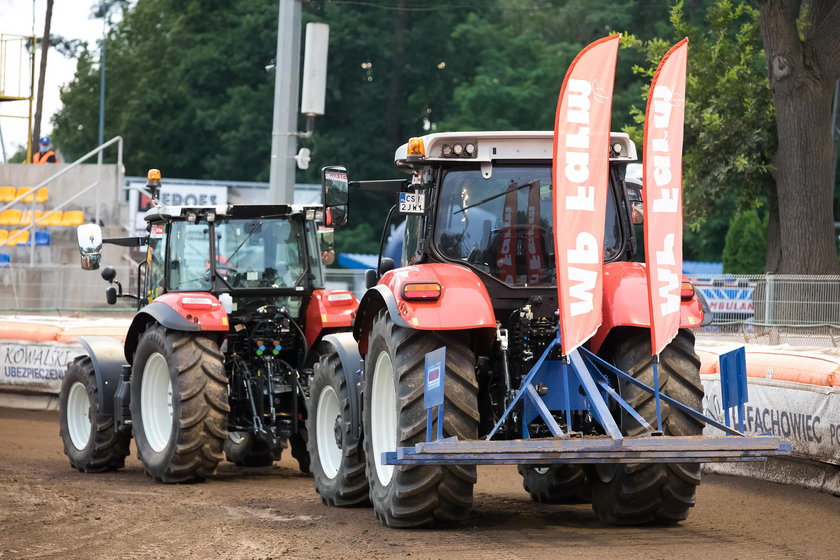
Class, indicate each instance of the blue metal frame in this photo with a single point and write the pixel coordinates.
(589, 371)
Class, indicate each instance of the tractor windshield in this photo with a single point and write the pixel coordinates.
(503, 226)
(250, 253)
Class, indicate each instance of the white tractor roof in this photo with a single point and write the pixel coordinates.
(503, 145)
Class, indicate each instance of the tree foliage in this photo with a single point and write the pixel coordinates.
(729, 134)
(745, 250)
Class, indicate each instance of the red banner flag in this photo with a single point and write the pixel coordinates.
(581, 180)
(662, 180)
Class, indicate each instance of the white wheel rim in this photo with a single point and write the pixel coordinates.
(383, 416)
(156, 402)
(78, 415)
(327, 416)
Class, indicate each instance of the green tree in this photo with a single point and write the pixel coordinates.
(729, 137)
(746, 244)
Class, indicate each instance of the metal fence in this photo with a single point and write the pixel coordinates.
(772, 309)
(766, 309)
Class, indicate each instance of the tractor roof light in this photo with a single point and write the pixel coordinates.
(153, 175)
(416, 148)
(429, 291)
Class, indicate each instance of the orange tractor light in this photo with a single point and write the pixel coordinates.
(153, 175)
(416, 148)
(421, 291)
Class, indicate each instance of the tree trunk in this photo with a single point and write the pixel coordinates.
(802, 75)
(45, 47)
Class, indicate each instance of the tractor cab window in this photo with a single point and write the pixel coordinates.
(189, 250)
(260, 253)
(503, 226)
(155, 263)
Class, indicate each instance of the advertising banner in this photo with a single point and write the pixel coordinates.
(581, 179)
(662, 180)
(171, 195)
(35, 366)
(807, 416)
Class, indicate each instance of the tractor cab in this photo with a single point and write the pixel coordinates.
(247, 256)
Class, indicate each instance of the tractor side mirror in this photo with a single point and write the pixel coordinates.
(335, 188)
(89, 237)
(634, 195)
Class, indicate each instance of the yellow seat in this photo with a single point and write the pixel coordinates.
(7, 194)
(49, 218)
(26, 217)
(10, 217)
(4, 235)
(73, 218)
(18, 236)
(22, 191)
(42, 195)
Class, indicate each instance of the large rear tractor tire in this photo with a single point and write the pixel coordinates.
(635, 494)
(179, 404)
(337, 462)
(90, 440)
(394, 416)
(555, 484)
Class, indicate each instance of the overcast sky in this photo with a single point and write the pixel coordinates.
(71, 19)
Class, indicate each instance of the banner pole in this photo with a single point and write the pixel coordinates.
(656, 392)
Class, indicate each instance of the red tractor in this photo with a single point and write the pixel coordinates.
(232, 313)
(477, 275)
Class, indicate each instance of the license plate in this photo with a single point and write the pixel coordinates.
(412, 203)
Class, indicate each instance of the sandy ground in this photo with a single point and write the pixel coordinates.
(48, 510)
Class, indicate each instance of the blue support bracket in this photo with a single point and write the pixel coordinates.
(733, 384)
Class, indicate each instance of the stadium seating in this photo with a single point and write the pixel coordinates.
(10, 217)
(73, 218)
(17, 237)
(49, 218)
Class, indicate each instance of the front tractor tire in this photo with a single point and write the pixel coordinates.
(394, 416)
(337, 462)
(635, 494)
(179, 404)
(91, 441)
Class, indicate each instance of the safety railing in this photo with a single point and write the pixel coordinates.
(98, 151)
(772, 309)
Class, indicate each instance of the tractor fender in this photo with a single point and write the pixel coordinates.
(169, 311)
(328, 309)
(625, 302)
(351, 362)
(463, 303)
(108, 359)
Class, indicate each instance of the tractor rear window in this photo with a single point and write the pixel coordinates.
(255, 253)
(503, 226)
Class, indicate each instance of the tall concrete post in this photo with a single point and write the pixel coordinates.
(286, 82)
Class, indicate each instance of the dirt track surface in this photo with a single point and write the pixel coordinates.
(48, 510)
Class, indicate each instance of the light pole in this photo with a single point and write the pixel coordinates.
(281, 182)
